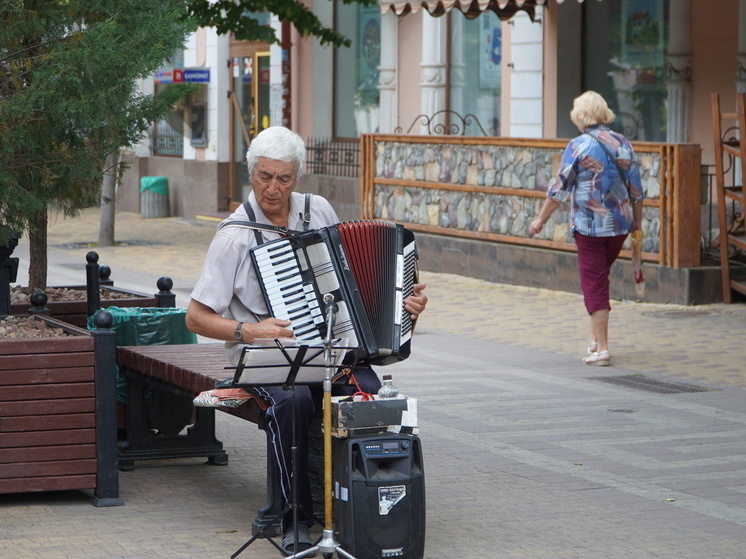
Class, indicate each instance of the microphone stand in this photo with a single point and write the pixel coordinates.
(327, 545)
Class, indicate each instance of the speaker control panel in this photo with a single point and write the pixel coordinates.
(386, 448)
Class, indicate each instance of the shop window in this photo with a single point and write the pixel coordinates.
(474, 88)
(625, 47)
(167, 138)
(356, 95)
(198, 117)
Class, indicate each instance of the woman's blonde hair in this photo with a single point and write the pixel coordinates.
(590, 109)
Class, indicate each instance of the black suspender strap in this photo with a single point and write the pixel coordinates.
(306, 215)
(252, 217)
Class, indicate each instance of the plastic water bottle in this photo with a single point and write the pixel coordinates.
(388, 390)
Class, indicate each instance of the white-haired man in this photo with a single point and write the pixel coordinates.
(227, 302)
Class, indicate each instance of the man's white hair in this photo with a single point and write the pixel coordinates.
(280, 143)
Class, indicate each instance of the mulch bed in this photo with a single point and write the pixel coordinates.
(12, 327)
(20, 294)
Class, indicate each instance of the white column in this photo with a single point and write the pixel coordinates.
(388, 82)
(679, 72)
(741, 56)
(457, 66)
(191, 57)
(218, 104)
(527, 76)
(323, 76)
(276, 103)
(433, 74)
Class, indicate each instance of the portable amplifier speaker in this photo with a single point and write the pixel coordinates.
(379, 496)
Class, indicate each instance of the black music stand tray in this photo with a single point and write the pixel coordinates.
(289, 364)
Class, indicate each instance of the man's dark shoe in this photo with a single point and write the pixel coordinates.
(304, 540)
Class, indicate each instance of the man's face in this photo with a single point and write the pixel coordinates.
(273, 182)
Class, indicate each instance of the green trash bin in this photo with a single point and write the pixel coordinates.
(154, 197)
(146, 326)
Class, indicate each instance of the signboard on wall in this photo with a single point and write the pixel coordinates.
(183, 75)
(490, 51)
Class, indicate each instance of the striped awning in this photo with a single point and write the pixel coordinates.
(505, 9)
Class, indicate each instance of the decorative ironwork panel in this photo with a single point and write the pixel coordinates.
(340, 158)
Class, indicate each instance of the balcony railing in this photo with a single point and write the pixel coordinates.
(340, 158)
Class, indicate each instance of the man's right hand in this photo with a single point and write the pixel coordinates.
(268, 329)
(204, 321)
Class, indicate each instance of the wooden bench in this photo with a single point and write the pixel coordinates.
(162, 382)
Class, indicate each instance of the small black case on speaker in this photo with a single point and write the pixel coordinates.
(379, 496)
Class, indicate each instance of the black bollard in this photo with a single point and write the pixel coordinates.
(104, 275)
(164, 297)
(93, 287)
(38, 302)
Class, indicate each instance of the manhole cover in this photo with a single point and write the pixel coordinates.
(684, 313)
(92, 244)
(641, 382)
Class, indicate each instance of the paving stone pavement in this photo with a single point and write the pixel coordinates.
(527, 454)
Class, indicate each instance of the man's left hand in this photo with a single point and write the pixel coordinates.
(416, 302)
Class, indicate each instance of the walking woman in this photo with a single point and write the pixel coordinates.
(600, 175)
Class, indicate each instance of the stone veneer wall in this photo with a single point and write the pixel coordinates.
(508, 179)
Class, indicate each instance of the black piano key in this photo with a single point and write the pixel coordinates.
(302, 334)
(298, 314)
(289, 299)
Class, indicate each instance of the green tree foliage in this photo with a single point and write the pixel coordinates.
(236, 16)
(69, 98)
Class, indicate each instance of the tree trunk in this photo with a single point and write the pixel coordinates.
(108, 201)
(37, 270)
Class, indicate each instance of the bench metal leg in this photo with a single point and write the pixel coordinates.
(155, 419)
(273, 505)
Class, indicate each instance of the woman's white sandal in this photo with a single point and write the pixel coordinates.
(595, 358)
(592, 348)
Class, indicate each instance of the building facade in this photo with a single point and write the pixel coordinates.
(503, 68)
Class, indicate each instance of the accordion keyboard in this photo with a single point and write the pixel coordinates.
(294, 283)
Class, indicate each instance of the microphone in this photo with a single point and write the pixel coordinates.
(331, 310)
(331, 305)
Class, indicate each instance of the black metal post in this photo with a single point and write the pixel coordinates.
(93, 288)
(106, 493)
(4, 288)
(8, 272)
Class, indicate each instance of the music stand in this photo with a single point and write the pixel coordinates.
(283, 362)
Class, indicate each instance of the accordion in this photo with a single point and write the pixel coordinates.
(368, 266)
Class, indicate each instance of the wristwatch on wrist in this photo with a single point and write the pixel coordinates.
(238, 333)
